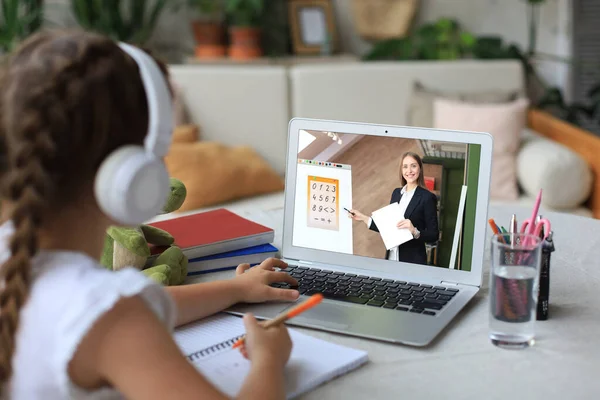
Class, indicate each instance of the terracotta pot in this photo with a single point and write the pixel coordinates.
(245, 43)
(210, 39)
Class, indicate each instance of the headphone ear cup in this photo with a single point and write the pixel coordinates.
(131, 186)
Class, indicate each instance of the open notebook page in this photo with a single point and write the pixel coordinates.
(207, 344)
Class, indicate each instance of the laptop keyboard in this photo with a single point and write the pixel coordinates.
(370, 291)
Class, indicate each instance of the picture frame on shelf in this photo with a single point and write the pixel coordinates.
(313, 27)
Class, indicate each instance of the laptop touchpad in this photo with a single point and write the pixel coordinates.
(326, 315)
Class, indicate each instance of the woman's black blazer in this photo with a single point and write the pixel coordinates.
(422, 212)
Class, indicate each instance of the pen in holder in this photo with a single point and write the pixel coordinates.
(544, 285)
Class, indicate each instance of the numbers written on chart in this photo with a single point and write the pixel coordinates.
(323, 203)
(319, 186)
(324, 209)
(326, 199)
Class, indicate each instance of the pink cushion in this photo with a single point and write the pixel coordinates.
(504, 122)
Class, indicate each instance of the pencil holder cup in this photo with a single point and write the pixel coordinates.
(514, 280)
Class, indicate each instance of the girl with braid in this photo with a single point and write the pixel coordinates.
(70, 329)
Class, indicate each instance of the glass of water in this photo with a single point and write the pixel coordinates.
(514, 279)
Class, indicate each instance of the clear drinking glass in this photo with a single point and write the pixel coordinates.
(514, 280)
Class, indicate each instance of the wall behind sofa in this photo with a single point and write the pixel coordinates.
(507, 18)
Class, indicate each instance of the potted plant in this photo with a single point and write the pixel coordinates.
(19, 19)
(443, 39)
(109, 17)
(208, 28)
(244, 28)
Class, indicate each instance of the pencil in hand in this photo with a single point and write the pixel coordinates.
(350, 212)
(291, 313)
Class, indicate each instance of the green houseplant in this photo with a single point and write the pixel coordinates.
(208, 29)
(275, 28)
(130, 21)
(440, 40)
(244, 18)
(19, 19)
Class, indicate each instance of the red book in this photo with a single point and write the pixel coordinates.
(213, 232)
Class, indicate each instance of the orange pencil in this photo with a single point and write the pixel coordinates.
(281, 318)
(495, 229)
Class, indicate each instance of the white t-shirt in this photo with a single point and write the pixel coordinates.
(69, 292)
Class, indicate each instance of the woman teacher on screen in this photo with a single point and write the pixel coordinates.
(419, 206)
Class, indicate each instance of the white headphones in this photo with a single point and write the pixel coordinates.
(132, 183)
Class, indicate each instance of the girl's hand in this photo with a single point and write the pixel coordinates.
(253, 283)
(271, 346)
(406, 224)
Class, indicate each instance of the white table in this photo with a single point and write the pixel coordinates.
(463, 364)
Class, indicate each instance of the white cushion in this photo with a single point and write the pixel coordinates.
(565, 177)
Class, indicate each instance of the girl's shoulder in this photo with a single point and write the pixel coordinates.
(84, 289)
(69, 293)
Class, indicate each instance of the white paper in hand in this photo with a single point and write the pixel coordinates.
(386, 219)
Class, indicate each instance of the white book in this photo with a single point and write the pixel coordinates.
(208, 346)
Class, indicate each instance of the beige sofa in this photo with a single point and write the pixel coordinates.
(252, 104)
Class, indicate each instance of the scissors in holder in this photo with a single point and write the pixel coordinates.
(540, 225)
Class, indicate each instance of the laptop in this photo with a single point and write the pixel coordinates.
(373, 289)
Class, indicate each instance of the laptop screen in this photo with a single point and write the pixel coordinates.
(398, 199)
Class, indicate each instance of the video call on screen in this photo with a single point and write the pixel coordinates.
(337, 172)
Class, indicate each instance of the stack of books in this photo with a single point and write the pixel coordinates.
(217, 240)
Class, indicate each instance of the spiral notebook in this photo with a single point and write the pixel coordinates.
(208, 346)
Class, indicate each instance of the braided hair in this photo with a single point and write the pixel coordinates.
(67, 99)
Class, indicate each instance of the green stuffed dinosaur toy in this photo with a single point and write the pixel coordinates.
(128, 247)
